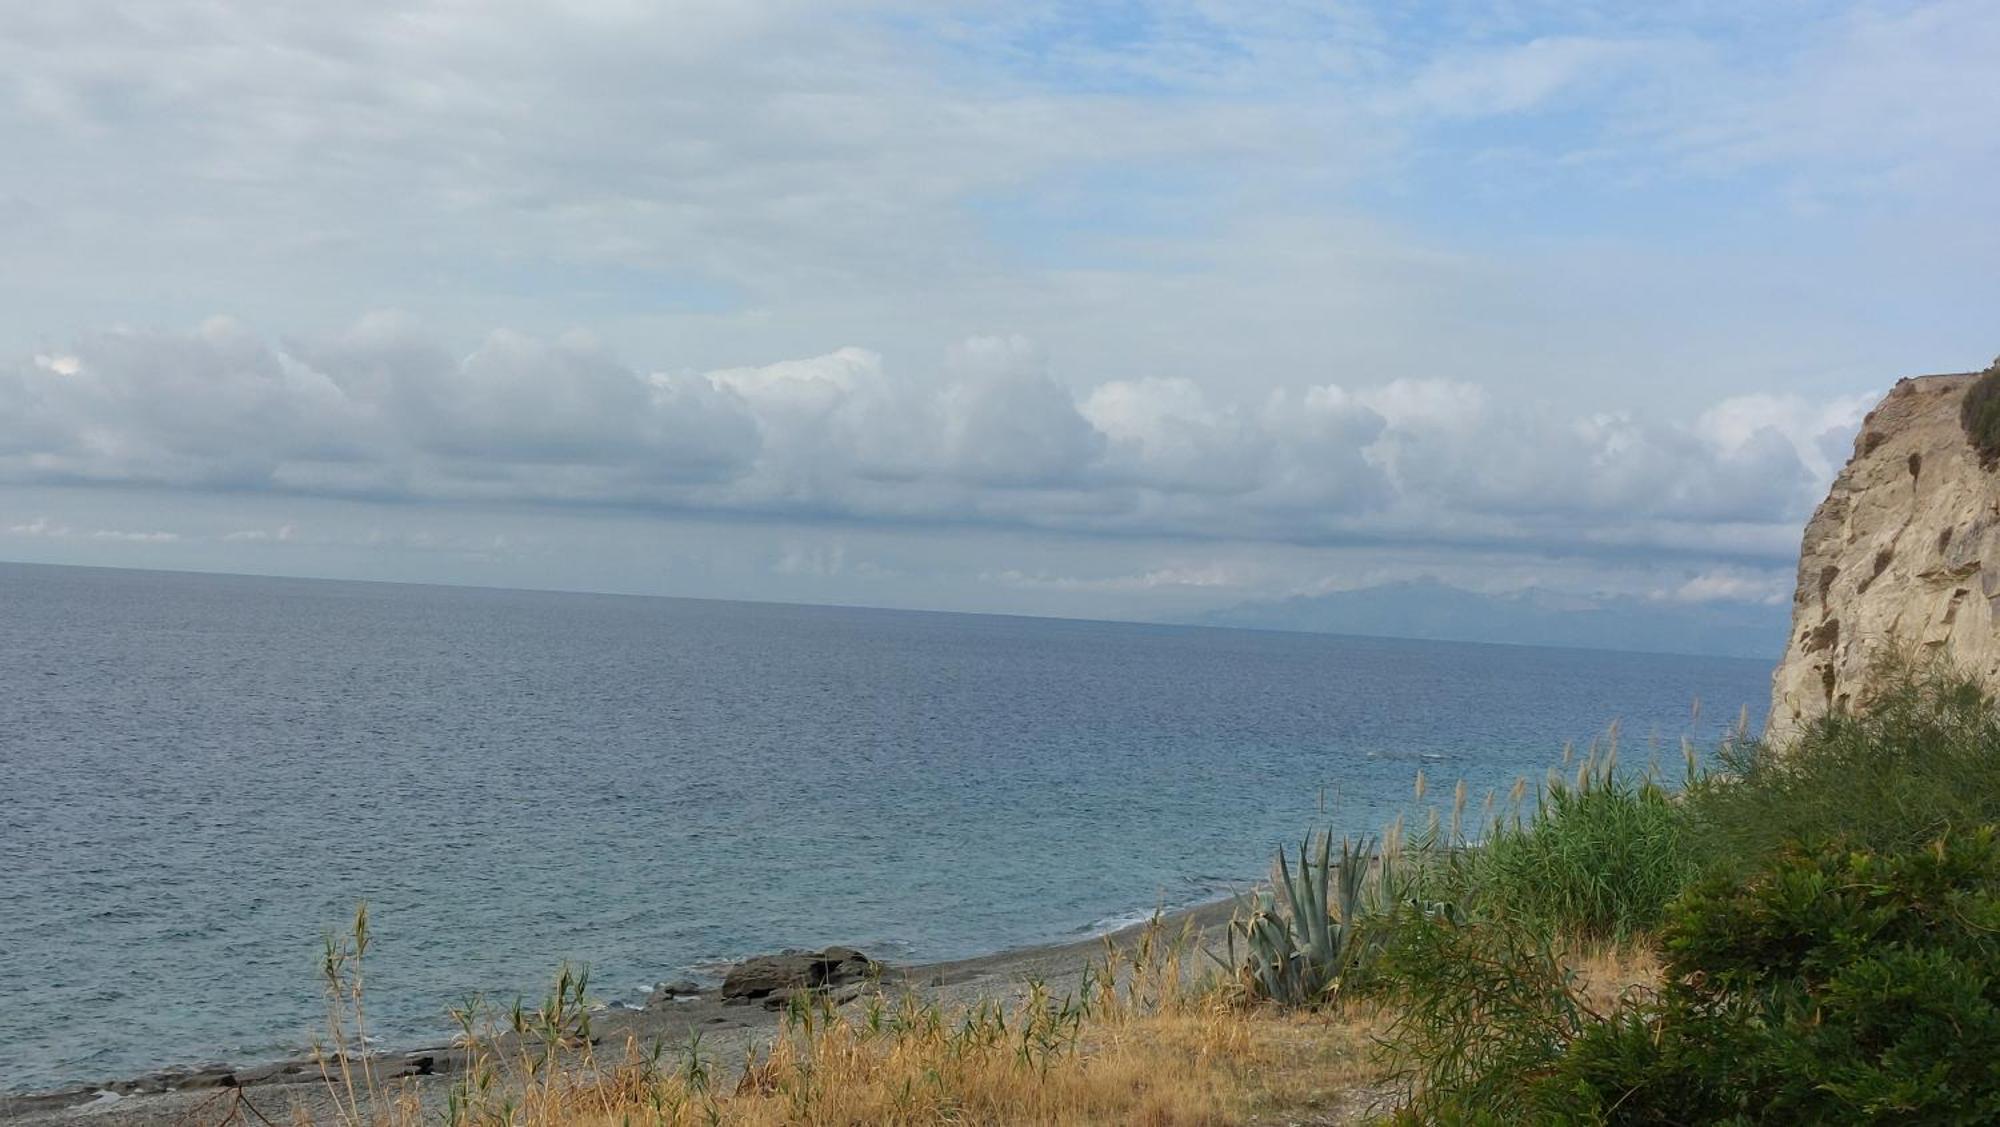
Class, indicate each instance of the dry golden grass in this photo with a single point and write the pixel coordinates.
(1199, 1066)
(1608, 976)
(1139, 1042)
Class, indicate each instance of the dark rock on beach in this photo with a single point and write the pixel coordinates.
(668, 992)
(775, 976)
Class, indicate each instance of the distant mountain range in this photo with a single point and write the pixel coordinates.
(1427, 608)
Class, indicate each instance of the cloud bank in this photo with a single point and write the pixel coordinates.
(989, 436)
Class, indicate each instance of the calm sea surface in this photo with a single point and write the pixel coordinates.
(200, 774)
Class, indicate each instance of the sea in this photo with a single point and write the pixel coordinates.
(201, 776)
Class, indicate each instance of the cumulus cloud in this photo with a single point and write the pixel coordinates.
(1451, 442)
(990, 436)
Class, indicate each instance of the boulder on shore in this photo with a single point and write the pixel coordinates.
(774, 976)
(666, 993)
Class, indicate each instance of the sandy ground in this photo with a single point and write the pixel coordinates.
(281, 1092)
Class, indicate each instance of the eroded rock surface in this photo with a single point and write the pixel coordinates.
(774, 977)
(1904, 554)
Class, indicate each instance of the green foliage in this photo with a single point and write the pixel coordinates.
(563, 1019)
(1481, 1003)
(1828, 914)
(1832, 986)
(1923, 759)
(1599, 860)
(1310, 935)
(1979, 414)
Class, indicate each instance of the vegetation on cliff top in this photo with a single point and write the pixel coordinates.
(1980, 415)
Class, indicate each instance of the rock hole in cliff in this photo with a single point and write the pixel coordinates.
(1870, 441)
(1916, 463)
(1944, 539)
(1823, 638)
(1827, 575)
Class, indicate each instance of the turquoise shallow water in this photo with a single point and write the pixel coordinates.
(203, 773)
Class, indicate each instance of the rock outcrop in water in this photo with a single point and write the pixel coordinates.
(1903, 555)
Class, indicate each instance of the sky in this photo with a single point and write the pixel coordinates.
(1127, 310)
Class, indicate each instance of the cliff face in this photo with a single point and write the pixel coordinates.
(1904, 553)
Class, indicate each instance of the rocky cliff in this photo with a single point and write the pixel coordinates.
(1904, 554)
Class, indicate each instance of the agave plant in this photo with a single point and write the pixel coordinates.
(1306, 935)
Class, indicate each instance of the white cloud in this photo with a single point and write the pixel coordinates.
(1513, 79)
(283, 534)
(381, 411)
(1197, 577)
(1734, 585)
(40, 526)
(1163, 433)
(1531, 278)
(44, 528)
(1819, 432)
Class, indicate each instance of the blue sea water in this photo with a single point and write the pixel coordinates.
(201, 774)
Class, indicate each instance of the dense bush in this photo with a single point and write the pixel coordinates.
(1923, 759)
(1980, 415)
(1827, 914)
(1481, 1004)
(1831, 986)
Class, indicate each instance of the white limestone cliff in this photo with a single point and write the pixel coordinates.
(1902, 556)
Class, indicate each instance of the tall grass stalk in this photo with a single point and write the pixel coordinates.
(342, 973)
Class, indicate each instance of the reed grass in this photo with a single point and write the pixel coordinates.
(1598, 862)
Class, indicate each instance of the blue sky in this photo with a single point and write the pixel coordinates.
(1125, 309)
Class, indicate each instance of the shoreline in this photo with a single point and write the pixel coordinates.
(726, 1029)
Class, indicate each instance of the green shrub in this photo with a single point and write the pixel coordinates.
(1923, 759)
(1481, 1005)
(1979, 413)
(1831, 986)
(1598, 861)
(1828, 914)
